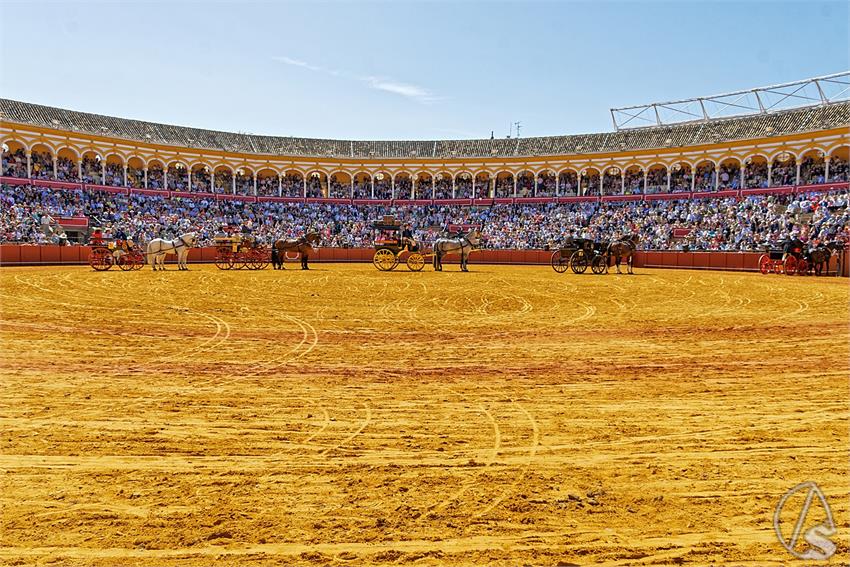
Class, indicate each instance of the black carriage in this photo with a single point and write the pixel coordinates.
(788, 260)
(390, 246)
(579, 253)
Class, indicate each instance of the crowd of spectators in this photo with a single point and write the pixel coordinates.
(15, 163)
(714, 224)
(705, 177)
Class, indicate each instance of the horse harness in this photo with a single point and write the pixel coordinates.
(173, 246)
(462, 246)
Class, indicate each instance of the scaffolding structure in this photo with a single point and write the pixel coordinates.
(761, 100)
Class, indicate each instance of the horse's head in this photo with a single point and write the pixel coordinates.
(474, 236)
(190, 238)
(313, 237)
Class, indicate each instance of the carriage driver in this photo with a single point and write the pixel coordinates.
(96, 238)
(121, 239)
(407, 238)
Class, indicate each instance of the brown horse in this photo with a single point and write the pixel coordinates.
(624, 248)
(303, 245)
(820, 256)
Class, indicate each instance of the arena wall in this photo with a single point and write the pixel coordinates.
(23, 255)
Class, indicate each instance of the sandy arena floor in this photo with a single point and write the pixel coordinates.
(346, 416)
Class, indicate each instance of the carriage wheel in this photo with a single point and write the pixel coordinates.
(803, 267)
(125, 262)
(559, 263)
(790, 266)
(101, 259)
(258, 259)
(415, 262)
(138, 259)
(385, 260)
(764, 264)
(224, 261)
(578, 262)
(261, 259)
(599, 265)
(240, 261)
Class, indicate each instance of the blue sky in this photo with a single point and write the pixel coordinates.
(405, 70)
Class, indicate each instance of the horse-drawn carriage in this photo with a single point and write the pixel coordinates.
(579, 253)
(391, 245)
(778, 261)
(241, 251)
(122, 253)
(794, 257)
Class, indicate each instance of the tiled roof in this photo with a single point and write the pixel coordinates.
(806, 119)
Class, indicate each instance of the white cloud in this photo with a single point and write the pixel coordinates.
(297, 63)
(386, 84)
(415, 92)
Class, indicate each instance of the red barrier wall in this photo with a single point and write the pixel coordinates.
(13, 254)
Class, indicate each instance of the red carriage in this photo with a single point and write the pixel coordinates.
(107, 253)
(237, 252)
(789, 261)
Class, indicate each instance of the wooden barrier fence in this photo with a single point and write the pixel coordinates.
(27, 255)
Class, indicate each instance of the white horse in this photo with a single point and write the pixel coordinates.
(159, 248)
(463, 245)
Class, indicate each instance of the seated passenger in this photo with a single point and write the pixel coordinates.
(407, 239)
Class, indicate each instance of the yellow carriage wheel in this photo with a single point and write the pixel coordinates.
(385, 260)
(415, 262)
